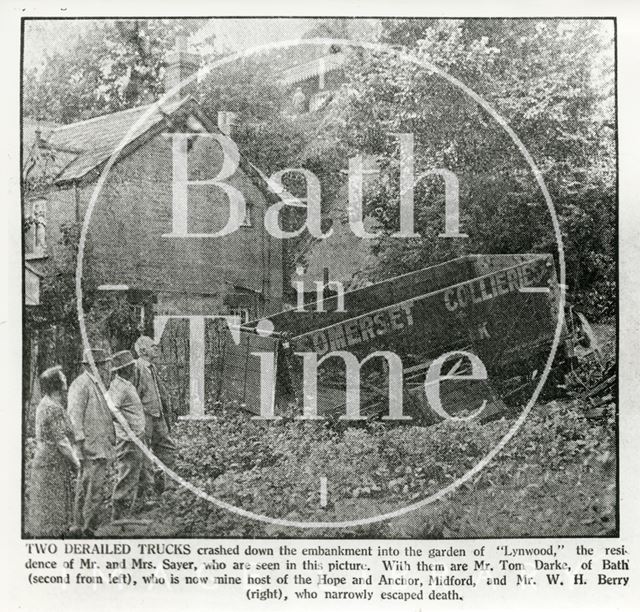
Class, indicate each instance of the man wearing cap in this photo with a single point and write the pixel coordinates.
(95, 438)
(129, 456)
(157, 410)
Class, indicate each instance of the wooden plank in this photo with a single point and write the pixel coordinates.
(241, 374)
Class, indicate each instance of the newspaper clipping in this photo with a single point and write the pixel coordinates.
(319, 312)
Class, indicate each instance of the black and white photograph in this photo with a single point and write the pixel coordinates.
(319, 277)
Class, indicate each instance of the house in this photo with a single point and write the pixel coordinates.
(130, 248)
(34, 220)
(133, 211)
(313, 82)
(314, 72)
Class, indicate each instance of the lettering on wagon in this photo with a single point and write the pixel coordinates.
(363, 329)
(489, 287)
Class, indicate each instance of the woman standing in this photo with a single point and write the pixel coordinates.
(51, 490)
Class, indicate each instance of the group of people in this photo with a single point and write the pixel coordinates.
(78, 434)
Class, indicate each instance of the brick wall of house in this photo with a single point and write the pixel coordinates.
(134, 210)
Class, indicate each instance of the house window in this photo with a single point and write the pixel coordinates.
(241, 313)
(39, 224)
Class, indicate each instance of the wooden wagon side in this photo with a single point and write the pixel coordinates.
(502, 308)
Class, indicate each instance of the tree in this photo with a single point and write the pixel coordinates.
(115, 65)
(551, 81)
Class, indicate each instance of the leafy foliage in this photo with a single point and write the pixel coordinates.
(110, 319)
(551, 81)
(115, 65)
(274, 469)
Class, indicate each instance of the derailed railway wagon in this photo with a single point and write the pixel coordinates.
(502, 308)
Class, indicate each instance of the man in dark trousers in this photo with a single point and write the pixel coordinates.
(157, 410)
(129, 456)
(95, 439)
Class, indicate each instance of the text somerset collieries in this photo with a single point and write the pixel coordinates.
(400, 317)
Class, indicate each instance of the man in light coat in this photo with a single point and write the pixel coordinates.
(95, 438)
(129, 456)
(157, 410)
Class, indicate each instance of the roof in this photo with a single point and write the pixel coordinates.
(83, 146)
(33, 269)
(301, 57)
(313, 68)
